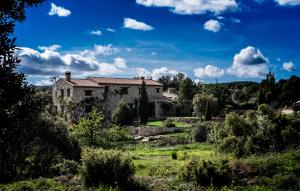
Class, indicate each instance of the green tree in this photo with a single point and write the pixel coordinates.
(22, 124)
(122, 115)
(143, 108)
(90, 129)
(187, 90)
(205, 105)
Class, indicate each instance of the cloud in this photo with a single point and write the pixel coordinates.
(110, 30)
(100, 50)
(136, 25)
(53, 47)
(288, 66)
(235, 20)
(156, 73)
(209, 71)
(212, 25)
(288, 2)
(96, 32)
(44, 83)
(59, 11)
(52, 63)
(249, 62)
(189, 7)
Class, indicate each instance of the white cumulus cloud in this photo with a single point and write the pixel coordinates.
(136, 25)
(53, 63)
(59, 11)
(96, 32)
(288, 66)
(190, 7)
(53, 47)
(100, 50)
(288, 2)
(212, 25)
(209, 71)
(249, 62)
(156, 73)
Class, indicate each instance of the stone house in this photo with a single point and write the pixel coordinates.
(110, 90)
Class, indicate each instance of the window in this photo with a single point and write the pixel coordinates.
(124, 90)
(140, 89)
(68, 92)
(157, 90)
(62, 92)
(62, 108)
(88, 108)
(88, 92)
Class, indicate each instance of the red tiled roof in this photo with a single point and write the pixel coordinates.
(84, 83)
(123, 81)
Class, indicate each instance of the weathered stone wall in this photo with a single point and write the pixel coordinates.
(111, 98)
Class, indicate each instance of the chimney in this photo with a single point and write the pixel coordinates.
(68, 76)
(142, 77)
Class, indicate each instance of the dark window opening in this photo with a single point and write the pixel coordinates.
(88, 92)
(157, 90)
(62, 108)
(140, 89)
(124, 90)
(88, 108)
(106, 89)
(68, 92)
(62, 93)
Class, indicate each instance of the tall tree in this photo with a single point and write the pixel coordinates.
(143, 105)
(187, 90)
(23, 128)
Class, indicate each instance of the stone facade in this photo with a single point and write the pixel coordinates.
(110, 90)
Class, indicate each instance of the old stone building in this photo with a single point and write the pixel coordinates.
(109, 90)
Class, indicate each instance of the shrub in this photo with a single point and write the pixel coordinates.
(200, 133)
(122, 115)
(168, 123)
(206, 173)
(108, 168)
(66, 167)
(32, 185)
(174, 155)
(90, 130)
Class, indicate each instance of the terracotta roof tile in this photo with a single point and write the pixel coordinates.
(84, 83)
(123, 81)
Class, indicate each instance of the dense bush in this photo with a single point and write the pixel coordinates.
(174, 155)
(259, 132)
(32, 185)
(108, 168)
(66, 167)
(200, 133)
(122, 115)
(207, 173)
(168, 123)
(90, 130)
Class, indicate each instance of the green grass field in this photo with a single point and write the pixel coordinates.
(160, 124)
(146, 159)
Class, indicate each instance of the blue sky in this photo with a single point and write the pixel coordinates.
(226, 40)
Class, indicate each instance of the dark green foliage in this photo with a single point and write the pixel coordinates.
(187, 90)
(122, 115)
(66, 167)
(207, 173)
(108, 168)
(205, 106)
(143, 109)
(260, 132)
(34, 185)
(174, 155)
(200, 133)
(90, 130)
(171, 82)
(168, 123)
